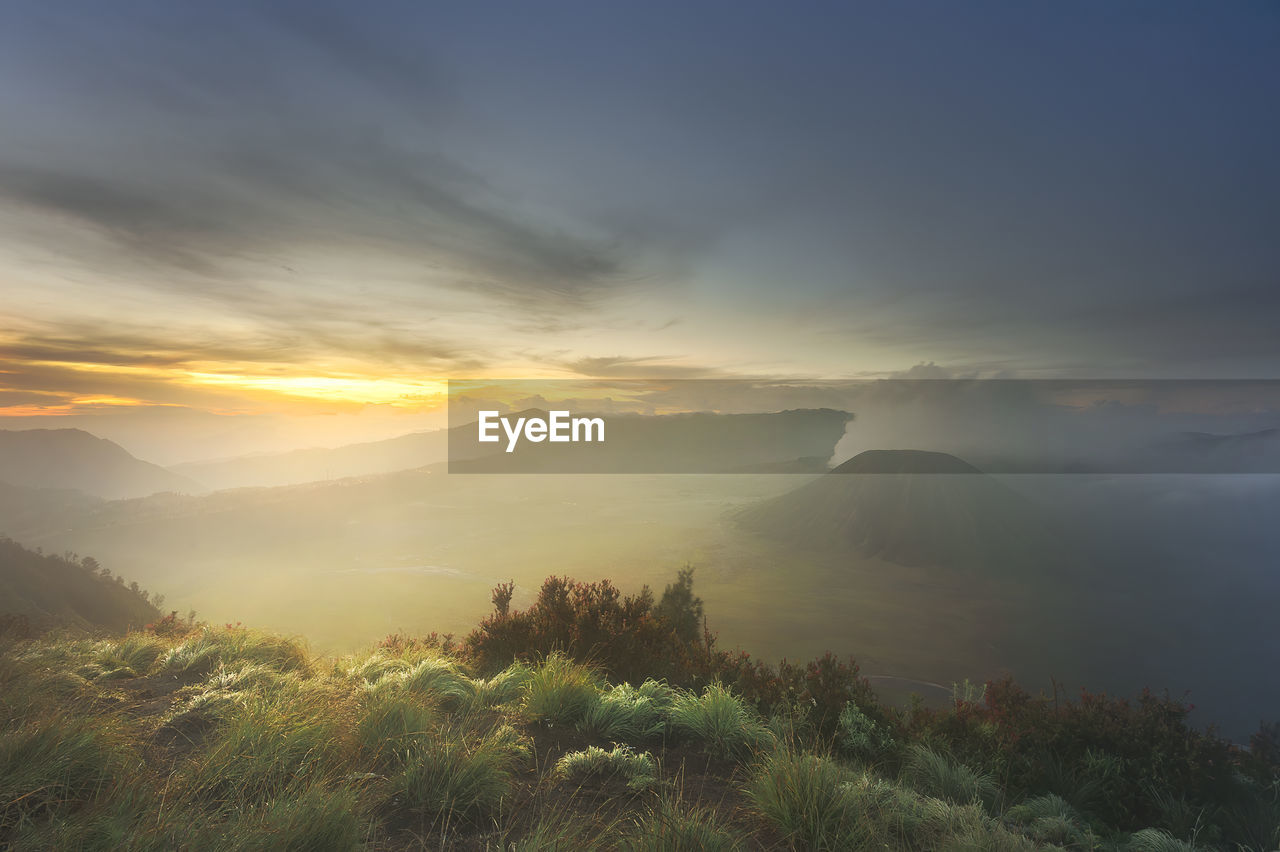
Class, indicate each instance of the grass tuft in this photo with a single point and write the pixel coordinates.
(720, 721)
(672, 826)
(560, 691)
(935, 774)
(629, 714)
(638, 769)
(457, 775)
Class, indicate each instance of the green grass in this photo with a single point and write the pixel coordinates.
(318, 817)
(137, 653)
(265, 746)
(1051, 819)
(672, 826)
(638, 769)
(819, 804)
(719, 722)
(1157, 840)
(204, 651)
(51, 764)
(560, 691)
(456, 775)
(628, 713)
(505, 687)
(232, 739)
(806, 797)
(935, 774)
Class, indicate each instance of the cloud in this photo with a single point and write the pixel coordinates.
(280, 133)
(651, 367)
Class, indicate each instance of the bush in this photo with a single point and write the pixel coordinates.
(1127, 752)
(858, 736)
(625, 636)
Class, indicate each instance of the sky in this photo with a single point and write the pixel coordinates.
(255, 225)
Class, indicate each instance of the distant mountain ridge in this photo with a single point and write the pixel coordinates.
(75, 459)
(905, 506)
(904, 461)
(405, 452)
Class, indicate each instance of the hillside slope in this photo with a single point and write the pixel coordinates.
(73, 458)
(52, 591)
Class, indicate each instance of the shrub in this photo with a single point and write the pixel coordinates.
(858, 736)
(626, 636)
(818, 691)
(1127, 751)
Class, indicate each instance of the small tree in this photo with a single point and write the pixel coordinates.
(680, 607)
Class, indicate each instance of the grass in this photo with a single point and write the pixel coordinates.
(267, 745)
(628, 713)
(1157, 840)
(204, 651)
(49, 765)
(1051, 819)
(455, 775)
(719, 722)
(673, 826)
(638, 769)
(232, 739)
(935, 774)
(560, 691)
(805, 796)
